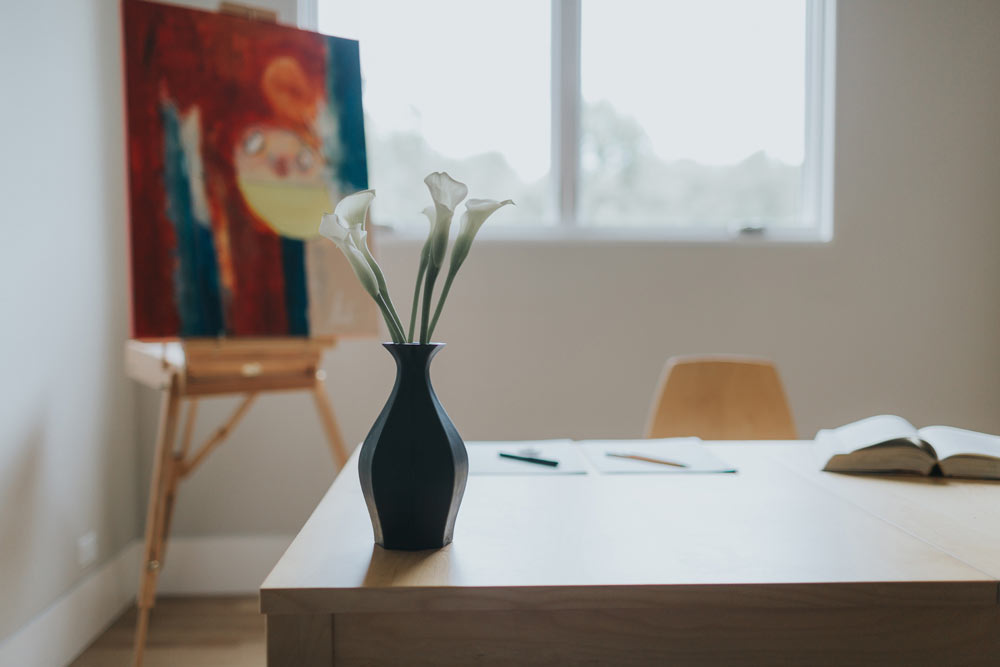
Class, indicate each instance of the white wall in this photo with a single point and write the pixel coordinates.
(67, 454)
(900, 313)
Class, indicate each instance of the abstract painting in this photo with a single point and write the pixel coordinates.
(241, 134)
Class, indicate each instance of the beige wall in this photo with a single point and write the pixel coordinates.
(67, 452)
(900, 313)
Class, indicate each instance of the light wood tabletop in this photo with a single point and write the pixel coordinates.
(959, 516)
(775, 560)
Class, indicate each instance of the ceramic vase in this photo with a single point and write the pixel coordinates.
(413, 464)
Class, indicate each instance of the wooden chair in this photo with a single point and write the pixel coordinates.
(721, 397)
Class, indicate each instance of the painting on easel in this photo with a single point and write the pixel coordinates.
(240, 135)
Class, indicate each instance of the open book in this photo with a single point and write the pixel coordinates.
(891, 444)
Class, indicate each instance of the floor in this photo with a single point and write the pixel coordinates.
(187, 631)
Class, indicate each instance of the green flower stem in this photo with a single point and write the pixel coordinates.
(432, 273)
(416, 288)
(394, 331)
(382, 289)
(444, 295)
(395, 317)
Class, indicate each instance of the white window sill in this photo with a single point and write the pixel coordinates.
(593, 235)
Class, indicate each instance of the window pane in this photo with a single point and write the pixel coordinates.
(693, 112)
(456, 86)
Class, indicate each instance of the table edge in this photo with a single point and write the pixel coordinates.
(971, 593)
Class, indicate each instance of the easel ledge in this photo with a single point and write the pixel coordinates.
(224, 366)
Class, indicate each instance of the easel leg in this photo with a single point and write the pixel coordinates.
(329, 420)
(161, 488)
(177, 474)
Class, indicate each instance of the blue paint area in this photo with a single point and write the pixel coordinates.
(343, 90)
(196, 274)
(293, 260)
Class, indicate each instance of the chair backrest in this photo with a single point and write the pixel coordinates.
(721, 397)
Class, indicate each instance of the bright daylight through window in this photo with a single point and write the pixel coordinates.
(692, 118)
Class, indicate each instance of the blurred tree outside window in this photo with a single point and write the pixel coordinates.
(692, 113)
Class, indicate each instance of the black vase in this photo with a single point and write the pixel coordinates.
(413, 464)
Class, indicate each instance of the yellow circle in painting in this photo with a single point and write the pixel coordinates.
(283, 180)
(290, 209)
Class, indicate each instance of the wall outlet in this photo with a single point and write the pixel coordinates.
(86, 549)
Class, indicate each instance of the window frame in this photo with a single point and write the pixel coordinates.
(566, 102)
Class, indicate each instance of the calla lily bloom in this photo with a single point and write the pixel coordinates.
(476, 213)
(447, 194)
(331, 228)
(346, 228)
(431, 214)
(353, 209)
(352, 241)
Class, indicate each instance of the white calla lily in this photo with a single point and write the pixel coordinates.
(431, 214)
(346, 228)
(360, 239)
(447, 194)
(361, 268)
(353, 209)
(331, 228)
(476, 213)
(445, 190)
(352, 241)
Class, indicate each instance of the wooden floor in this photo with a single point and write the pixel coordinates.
(188, 631)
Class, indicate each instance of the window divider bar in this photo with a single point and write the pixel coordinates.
(566, 102)
(817, 167)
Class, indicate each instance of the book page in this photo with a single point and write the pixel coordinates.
(950, 441)
(878, 444)
(871, 431)
(485, 459)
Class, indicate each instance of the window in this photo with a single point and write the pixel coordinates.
(697, 119)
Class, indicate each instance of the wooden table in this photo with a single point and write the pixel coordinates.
(779, 563)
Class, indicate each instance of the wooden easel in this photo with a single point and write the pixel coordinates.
(194, 369)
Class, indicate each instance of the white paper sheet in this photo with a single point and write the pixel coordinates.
(689, 451)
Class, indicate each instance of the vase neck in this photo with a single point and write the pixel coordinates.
(413, 355)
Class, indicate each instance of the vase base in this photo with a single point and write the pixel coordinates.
(414, 546)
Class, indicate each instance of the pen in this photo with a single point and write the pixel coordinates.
(530, 459)
(648, 459)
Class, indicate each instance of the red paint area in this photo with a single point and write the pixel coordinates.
(237, 73)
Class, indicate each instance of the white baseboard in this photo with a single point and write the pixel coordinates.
(235, 565)
(68, 625)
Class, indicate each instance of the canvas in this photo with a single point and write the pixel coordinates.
(241, 134)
